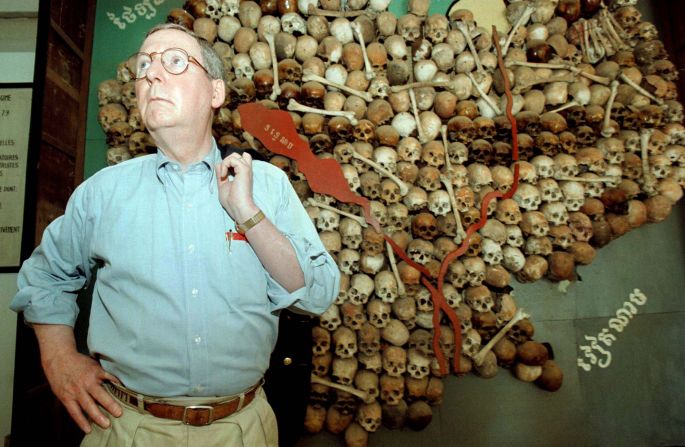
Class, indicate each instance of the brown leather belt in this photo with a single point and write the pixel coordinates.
(195, 415)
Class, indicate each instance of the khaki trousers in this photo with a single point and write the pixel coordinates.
(252, 426)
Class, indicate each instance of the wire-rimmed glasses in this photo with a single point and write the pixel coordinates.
(174, 60)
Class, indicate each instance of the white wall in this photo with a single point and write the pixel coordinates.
(17, 53)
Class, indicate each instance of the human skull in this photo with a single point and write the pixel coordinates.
(574, 195)
(392, 389)
(398, 215)
(549, 190)
(534, 223)
(361, 288)
(439, 202)
(508, 212)
(409, 27)
(242, 66)
(544, 166)
(345, 342)
(348, 261)
(379, 313)
(528, 197)
(367, 381)
(394, 361)
(429, 178)
(475, 270)
(513, 258)
(330, 319)
(327, 220)
(492, 251)
(344, 370)
(479, 298)
(109, 91)
(565, 166)
(373, 363)
(369, 416)
(351, 232)
(471, 342)
(424, 225)
(117, 154)
(293, 23)
(555, 212)
(353, 315)
(418, 364)
(386, 286)
(514, 236)
(479, 176)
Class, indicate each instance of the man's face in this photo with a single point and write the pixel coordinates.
(166, 100)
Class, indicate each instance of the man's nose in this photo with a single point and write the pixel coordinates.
(156, 69)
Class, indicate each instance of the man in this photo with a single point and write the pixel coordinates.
(196, 256)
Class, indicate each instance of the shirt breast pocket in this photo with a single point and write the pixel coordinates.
(248, 280)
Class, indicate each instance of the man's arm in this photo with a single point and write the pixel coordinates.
(76, 379)
(276, 254)
(302, 273)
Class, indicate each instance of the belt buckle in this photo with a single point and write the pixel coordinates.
(208, 408)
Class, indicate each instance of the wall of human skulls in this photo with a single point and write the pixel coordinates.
(412, 108)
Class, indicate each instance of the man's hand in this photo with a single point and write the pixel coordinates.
(235, 194)
(76, 379)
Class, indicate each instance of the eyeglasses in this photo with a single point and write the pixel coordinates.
(174, 60)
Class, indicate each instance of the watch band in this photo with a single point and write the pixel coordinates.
(242, 228)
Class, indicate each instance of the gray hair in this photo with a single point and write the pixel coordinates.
(210, 58)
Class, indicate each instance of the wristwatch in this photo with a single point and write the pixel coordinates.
(242, 228)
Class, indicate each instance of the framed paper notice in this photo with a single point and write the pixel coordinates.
(15, 120)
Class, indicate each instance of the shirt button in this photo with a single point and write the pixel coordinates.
(194, 292)
(287, 361)
(197, 340)
(191, 248)
(189, 205)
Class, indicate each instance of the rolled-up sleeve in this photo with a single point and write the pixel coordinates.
(321, 274)
(50, 279)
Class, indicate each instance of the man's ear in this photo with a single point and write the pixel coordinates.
(218, 93)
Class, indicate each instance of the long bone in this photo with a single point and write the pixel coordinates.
(313, 202)
(598, 179)
(401, 291)
(648, 179)
(590, 49)
(314, 11)
(639, 89)
(608, 23)
(607, 130)
(353, 391)
(297, 107)
(479, 358)
(568, 105)
(276, 90)
(525, 16)
(614, 25)
(404, 189)
(560, 78)
(309, 76)
(484, 95)
(451, 85)
(602, 34)
(447, 181)
(415, 110)
(370, 74)
(599, 45)
(466, 31)
(575, 70)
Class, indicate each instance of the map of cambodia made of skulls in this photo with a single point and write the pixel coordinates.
(466, 155)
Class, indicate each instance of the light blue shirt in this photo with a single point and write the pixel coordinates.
(174, 311)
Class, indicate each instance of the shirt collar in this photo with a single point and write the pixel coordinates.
(213, 157)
